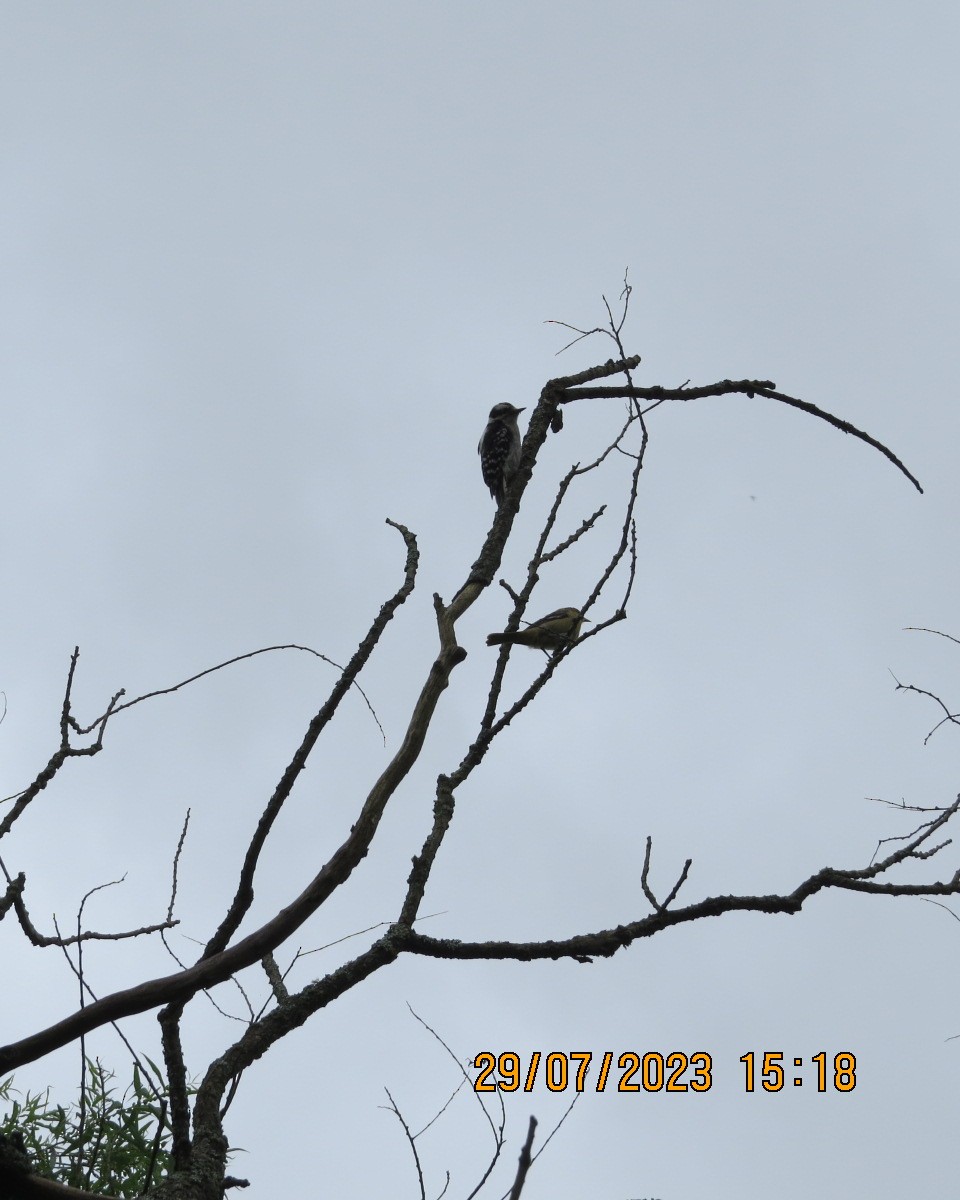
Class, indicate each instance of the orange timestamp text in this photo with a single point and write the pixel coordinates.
(632, 1071)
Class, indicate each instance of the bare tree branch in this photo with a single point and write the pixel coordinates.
(219, 667)
(523, 1166)
(411, 1142)
(605, 943)
(63, 752)
(748, 387)
(273, 1012)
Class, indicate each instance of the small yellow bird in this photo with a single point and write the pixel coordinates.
(552, 632)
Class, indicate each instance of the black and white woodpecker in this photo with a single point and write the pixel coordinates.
(552, 632)
(499, 449)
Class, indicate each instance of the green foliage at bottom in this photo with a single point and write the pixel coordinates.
(105, 1143)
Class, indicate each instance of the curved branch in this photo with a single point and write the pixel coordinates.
(746, 387)
(220, 966)
(605, 943)
(219, 667)
(843, 426)
(90, 935)
(244, 894)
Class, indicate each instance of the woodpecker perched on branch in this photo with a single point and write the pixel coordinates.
(552, 632)
(499, 449)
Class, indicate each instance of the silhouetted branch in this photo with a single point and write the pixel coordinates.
(410, 1142)
(523, 1166)
(605, 943)
(747, 387)
(219, 667)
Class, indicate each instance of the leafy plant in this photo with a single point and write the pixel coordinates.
(109, 1143)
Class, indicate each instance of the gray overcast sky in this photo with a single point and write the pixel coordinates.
(265, 268)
